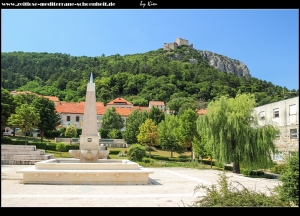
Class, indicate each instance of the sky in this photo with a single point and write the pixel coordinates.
(265, 40)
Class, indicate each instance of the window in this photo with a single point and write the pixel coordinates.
(277, 156)
(262, 115)
(293, 109)
(68, 118)
(275, 113)
(77, 118)
(277, 136)
(293, 134)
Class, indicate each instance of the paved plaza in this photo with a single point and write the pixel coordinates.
(168, 187)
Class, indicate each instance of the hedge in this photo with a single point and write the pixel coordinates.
(247, 172)
(39, 145)
(114, 152)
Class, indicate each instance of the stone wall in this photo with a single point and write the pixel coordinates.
(181, 42)
(170, 46)
(285, 143)
(174, 45)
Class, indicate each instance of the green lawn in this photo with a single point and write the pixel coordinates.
(146, 163)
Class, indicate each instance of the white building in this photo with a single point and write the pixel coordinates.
(285, 115)
(159, 104)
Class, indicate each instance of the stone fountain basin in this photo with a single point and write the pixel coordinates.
(72, 171)
(75, 164)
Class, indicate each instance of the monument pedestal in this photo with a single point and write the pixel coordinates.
(89, 149)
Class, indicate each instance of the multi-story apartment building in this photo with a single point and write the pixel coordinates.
(285, 116)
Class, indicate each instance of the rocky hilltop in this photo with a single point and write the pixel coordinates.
(225, 64)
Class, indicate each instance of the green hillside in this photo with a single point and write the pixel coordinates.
(137, 78)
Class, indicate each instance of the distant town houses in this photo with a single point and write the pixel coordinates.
(283, 114)
(71, 113)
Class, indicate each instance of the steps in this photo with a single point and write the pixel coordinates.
(22, 155)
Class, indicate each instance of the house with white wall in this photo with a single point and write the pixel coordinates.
(71, 113)
(285, 116)
(159, 104)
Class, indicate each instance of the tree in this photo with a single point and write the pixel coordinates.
(48, 116)
(112, 120)
(175, 104)
(133, 122)
(115, 134)
(7, 107)
(234, 135)
(71, 131)
(189, 103)
(188, 129)
(26, 118)
(167, 131)
(26, 98)
(148, 134)
(180, 104)
(200, 146)
(289, 190)
(156, 115)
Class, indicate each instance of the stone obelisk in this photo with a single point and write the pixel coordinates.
(89, 138)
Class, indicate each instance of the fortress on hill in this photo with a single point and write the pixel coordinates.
(174, 45)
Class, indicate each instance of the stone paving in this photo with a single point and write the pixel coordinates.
(168, 187)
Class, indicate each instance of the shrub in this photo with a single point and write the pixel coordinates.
(136, 152)
(6, 140)
(228, 167)
(226, 194)
(63, 130)
(114, 152)
(71, 131)
(52, 134)
(72, 147)
(279, 168)
(208, 162)
(245, 172)
(79, 131)
(60, 146)
(289, 190)
(184, 156)
(148, 161)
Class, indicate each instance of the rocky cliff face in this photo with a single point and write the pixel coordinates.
(226, 64)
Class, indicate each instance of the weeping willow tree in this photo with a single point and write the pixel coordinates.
(234, 134)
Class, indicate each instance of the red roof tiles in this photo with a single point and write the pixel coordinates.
(201, 112)
(118, 101)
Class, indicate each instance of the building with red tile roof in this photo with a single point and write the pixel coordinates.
(72, 112)
(159, 104)
(119, 102)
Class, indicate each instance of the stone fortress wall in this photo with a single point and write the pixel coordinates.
(174, 45)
